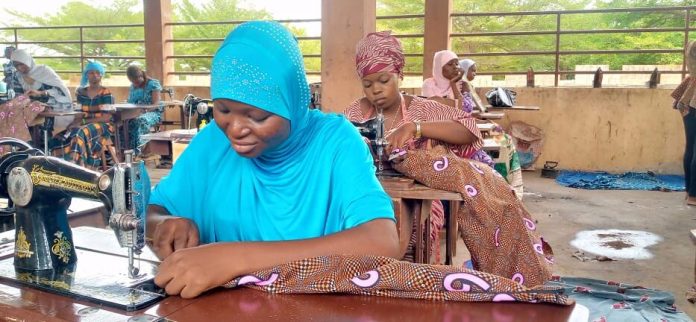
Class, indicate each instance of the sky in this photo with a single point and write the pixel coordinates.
(280, 9)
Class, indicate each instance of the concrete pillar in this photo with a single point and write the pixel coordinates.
(438, 26)
(343, 23)
(157, 13)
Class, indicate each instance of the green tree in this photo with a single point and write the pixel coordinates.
(547, 22)
(219, 11)
(79, 13)
(213, 11)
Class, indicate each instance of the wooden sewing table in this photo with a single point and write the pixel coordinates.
(46, 119)
(515, 108)
(122, 114)
(21, 303)
(413, 200)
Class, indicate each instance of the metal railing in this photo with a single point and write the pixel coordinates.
(559, 32)
(557, 52)
(16, 41)
(219, 40)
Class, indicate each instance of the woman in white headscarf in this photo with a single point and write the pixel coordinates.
(468, 69)
(512, 171)
(446, 76)
(41, 82)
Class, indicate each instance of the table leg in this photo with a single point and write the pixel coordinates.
(451, 233)
(182, 117)
(45, 137)
(126, 135)
(117, 137)
(47, 128)
(419, 232)
(425, 217)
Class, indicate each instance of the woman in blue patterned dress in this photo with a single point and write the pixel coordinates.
(143, 90)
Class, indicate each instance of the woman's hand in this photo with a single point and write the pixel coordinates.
(457, 77)
(172, 233)
(400, 136)
(192, 271)
(33, 92)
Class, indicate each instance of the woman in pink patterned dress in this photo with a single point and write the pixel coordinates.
(409, 120)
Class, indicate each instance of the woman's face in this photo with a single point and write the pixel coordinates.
(381, 89)
(251, 130)
(94, 77)
(24, 69)
(451, 69)
(471, 74)
(138, 80)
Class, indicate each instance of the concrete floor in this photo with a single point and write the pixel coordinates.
(562, 212)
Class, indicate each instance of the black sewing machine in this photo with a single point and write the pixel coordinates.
(203, 108)
(40, 189)
(373, 130)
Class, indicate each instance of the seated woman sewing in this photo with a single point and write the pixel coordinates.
(143, 90)
(493, 222)
(406, 115)
(40, 82)
(269, 181)
(86, 138)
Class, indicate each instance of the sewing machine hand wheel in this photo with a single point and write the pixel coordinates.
(20, 151)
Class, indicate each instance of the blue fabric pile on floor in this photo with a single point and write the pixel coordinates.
(625, 181)
(620, 302)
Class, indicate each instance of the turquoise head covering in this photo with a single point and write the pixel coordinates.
(92, 65)
(319, 181)
(260, 64)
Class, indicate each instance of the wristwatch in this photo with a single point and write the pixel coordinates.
(418, 129)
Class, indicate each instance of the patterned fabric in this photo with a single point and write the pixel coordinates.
(685, 94)
(84, 145)
(15, 116)
(512, 171)
(498, 231)
(143, 95)
(681, 97)
(91, 105)
(438, 85)
(424, 110)
(141, 125)
(387, 277)
(305, 187)
(620, 302)
(379, 52)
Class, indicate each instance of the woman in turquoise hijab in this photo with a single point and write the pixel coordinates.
(270, 181)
